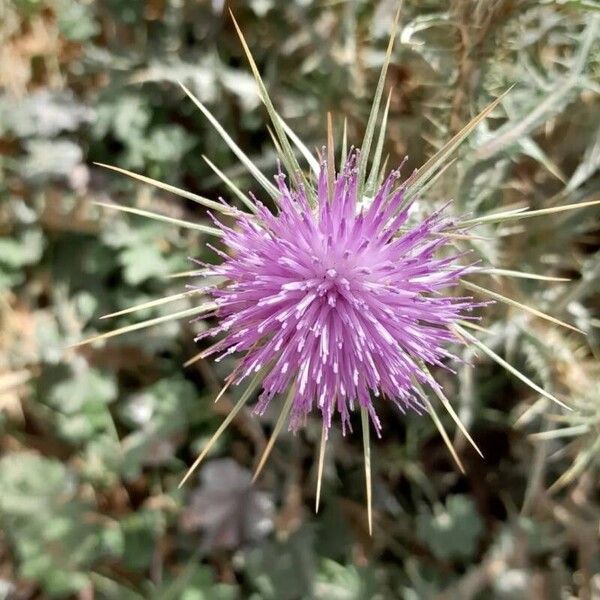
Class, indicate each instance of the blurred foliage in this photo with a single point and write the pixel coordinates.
(95, 440)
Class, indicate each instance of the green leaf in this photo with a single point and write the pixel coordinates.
(167, 144)
(141, 530)
(141, 263)
(158, 417)
(50, 158)
(284, 570)
(195, 582)
(76, 20)
(80, 404)
(26, 249)
(340, 582)
(54, 535)
(85, 387)
(453, 531)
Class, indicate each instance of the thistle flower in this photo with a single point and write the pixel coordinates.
(336, 296)
(339, 303)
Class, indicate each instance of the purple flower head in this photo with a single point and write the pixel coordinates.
(338, 300)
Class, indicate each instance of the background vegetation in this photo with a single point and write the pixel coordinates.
(94, 440)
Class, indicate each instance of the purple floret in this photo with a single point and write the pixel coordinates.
(342, 301)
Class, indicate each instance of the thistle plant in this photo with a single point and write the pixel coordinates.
(338, 288)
